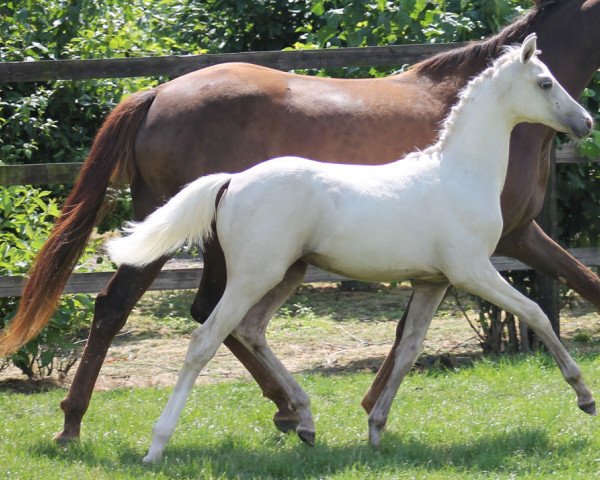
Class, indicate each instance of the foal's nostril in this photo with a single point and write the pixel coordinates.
(589, 124)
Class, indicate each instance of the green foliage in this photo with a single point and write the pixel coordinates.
(367, 23)
(219, 26)
(579, 195)
(26, 219)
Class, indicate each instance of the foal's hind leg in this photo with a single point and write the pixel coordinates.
(483, 280)
(251, 333)
(239, 296)
(212, 285)
(425, 301)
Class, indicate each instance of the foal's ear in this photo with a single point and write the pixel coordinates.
(528, 48)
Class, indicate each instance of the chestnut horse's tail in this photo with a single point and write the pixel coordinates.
(187, 217)
(110, 155)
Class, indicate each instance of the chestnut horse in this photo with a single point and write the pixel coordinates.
(229, 117)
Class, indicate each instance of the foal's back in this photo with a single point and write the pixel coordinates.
(356, 220)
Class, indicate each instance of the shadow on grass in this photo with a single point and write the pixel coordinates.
(30, 386)
(398, 455)
(426, 363)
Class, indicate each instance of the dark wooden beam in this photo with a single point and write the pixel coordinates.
(189, 278)
(53, 173)
(176, 65)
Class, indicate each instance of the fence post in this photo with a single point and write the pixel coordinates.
(546, 287)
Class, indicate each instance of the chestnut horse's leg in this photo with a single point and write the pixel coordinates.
(533, 247)
(424, 302)
(212, 286)
(113, 306)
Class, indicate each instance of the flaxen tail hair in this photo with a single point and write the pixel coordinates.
(187, 218)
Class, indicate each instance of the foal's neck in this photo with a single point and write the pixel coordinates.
(476, 137)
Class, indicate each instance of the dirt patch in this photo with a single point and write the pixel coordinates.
(321, 329)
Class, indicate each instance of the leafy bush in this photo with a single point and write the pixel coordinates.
(26, 217)
(577, 184)
(343, 23)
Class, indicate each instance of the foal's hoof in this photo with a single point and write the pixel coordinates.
(149, 459)
(63, 438)
(285, 421)
(589, 408)
(306, 436)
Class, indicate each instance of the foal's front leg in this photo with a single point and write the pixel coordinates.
(425, 301)
(533, 247)
(384, 372)
(483, 280)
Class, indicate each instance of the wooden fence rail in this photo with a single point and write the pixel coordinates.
(389, 56)
(189, 278)
(57, 173)
(176, 65)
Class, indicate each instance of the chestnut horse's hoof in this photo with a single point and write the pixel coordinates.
(64, 438)
(306, 436)
(285, 421)
(589, 408)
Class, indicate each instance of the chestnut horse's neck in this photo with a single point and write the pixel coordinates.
(572, 54)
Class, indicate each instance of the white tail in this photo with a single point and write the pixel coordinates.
(187, 217)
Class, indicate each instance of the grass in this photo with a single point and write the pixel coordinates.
(508, 418)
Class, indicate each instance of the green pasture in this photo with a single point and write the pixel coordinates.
(511, 418)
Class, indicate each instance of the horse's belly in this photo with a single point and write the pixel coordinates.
(372, 269)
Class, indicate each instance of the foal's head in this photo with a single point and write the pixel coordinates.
(533, 94)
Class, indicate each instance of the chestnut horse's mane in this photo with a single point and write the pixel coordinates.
(452, 60)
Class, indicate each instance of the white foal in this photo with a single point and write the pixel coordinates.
(433, 218)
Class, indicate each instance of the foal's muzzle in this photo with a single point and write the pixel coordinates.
(582, 127)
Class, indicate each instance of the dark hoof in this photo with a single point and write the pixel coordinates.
(589, 408)
(306, 436)
(285, 422)
(63, 438)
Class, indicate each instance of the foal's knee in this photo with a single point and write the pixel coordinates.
(201, 349)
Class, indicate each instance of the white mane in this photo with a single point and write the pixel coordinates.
(511, 54)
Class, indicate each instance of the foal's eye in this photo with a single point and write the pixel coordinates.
(546, 83)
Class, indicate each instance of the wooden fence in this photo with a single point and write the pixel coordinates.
(390, 56)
